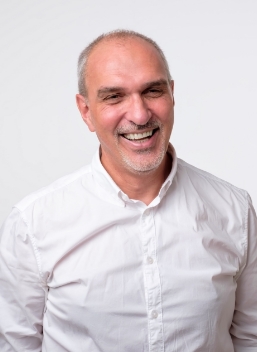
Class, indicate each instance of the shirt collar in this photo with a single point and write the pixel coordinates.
(115, 194)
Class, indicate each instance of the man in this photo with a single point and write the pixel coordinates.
(138, 251)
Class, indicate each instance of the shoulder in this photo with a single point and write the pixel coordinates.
(60, 186)
(199, 175)
(209, 187)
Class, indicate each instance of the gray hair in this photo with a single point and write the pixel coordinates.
(117, 34)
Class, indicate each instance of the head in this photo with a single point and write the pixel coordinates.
(126, 97)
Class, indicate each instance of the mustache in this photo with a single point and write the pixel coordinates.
(133, 127)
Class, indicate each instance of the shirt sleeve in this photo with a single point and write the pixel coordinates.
(244, 326)
(22, 292)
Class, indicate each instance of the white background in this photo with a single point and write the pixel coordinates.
(211, 46)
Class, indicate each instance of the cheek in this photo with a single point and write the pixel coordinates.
(165, 115)
(107, 118)
(163, 108)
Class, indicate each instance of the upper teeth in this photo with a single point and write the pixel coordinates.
(138, 135)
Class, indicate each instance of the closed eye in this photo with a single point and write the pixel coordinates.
(110, 95)
(153, 92)
(113, 98)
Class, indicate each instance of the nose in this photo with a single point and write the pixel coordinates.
(138, 112)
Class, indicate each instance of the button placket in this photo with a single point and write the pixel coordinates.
(152, 283)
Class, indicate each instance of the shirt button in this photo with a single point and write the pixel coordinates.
(149, 260)
(147, 212)
(154, 314)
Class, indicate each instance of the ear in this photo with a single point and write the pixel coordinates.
(83, 107)
(172, 91)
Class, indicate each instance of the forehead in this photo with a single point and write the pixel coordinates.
(128, 60)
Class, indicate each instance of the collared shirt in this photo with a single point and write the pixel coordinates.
(85, 268)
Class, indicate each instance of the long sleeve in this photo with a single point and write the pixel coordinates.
(22, 292)
(244, 325)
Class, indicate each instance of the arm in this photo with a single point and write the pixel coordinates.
(244, 325)
(22, 291)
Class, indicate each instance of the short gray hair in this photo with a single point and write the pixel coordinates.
(116, 34)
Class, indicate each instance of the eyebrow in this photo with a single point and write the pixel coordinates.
(158, 83)
(106, 90)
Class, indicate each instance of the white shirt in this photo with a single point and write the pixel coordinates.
(97, 271)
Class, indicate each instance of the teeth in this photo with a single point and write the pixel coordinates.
(133, 136)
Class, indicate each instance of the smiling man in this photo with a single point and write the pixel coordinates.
(129, 104)
(138, 251)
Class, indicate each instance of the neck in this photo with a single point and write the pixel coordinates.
(143, 186)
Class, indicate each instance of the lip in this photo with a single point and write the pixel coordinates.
(139, 145)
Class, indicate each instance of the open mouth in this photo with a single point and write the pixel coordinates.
(140, 136)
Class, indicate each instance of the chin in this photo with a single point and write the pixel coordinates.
(144, 166)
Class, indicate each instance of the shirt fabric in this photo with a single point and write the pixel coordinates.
(85, 268)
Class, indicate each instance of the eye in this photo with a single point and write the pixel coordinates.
(154, 92)
(112, 98)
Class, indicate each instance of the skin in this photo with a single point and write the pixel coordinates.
(128, 92)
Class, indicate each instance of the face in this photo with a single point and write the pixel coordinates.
(129, 105)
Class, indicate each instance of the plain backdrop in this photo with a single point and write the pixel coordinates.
(211, 46)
